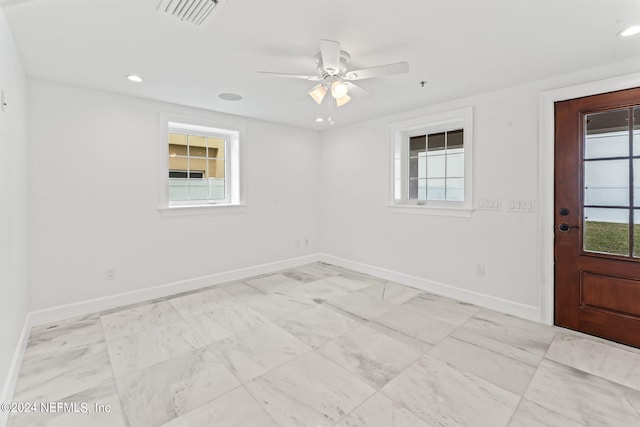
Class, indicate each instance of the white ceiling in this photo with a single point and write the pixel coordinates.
(461, 47)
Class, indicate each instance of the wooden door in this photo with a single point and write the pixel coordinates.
(597, 215)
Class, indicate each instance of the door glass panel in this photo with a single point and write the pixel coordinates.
(636, 131)
(636, 233)
(606, 182)
(636, 182)
(606, 231)
(607, 134)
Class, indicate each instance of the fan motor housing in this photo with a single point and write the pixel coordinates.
(344, 62)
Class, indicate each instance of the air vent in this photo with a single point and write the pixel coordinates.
(193, 12)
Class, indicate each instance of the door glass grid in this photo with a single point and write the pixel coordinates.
(611, 169)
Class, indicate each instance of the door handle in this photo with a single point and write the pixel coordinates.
(566, 227)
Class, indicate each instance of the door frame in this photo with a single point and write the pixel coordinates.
(546, 159)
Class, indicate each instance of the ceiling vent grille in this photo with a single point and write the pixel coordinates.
(193, 12)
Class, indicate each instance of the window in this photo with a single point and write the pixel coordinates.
(432, 163)
(202, 164)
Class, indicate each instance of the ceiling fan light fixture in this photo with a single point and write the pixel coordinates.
(134, 78)
(631, 31)
(318, 93)
(341, 101)
(338, 89)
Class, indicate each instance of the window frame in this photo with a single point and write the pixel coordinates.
(234, 136)
(401, 132)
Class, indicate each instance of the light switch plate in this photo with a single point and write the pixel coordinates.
(521, 205)
(490, 204)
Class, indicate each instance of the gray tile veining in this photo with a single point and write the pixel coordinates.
(251, 353)
(402, 337)
(497, 346)
(582, 397)
(318, 291)
(372, 356)
(528, 414)
(202, 302)
(272, 283)
(320, 345)
(275, 306)
(310, 390)
(391, 293)
(61, 337)
(162, 392)
(379, 411)
(519, 333)
(320, 270)
(614, 364)
(237, 408)
(416, 324)
(54, 378)
(441, 395)
(500, 370)
(232, 318)
(139, 319)
(362, 305)
(317, 325)
(134, 352)
(302, 276)
(443, 309)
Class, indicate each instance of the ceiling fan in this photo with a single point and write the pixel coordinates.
(334, 76)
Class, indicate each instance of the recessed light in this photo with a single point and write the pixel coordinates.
(319, 119)
(230, 96)
(134, 78)
(631, 31)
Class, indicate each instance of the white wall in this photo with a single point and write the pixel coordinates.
(13, 202)
(442, 252)
(94, 198)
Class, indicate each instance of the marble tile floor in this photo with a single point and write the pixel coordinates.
(319, 346)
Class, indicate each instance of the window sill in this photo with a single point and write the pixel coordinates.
(431, 210)
(201, 210)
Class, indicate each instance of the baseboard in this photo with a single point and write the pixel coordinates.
(53, 314)
(14, 368)
(487, 301)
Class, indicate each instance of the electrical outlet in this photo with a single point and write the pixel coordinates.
(297, 243)
(306, 241)
(3, 101)
(110, 273)
(480, 270)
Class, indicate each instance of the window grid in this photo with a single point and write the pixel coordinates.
(195, 185)
(631, 205)
(435, 146)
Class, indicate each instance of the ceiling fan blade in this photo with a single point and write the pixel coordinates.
(379, 71)
(291, 76)
(359, 91)
(330, 51)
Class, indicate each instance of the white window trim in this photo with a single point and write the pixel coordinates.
(234, 166)
(399, 145)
